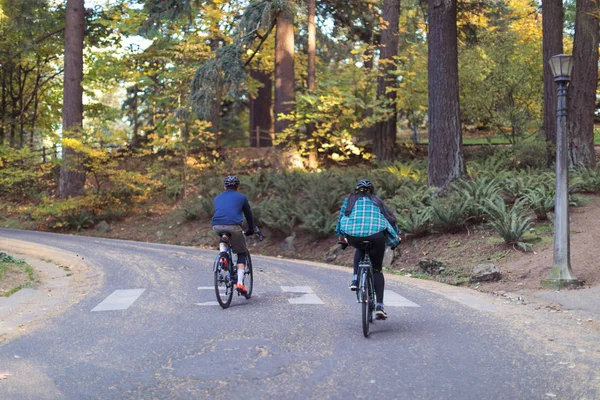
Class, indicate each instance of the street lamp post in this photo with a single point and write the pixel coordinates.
(561, 275)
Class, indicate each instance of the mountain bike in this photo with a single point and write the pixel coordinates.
(225, 272)
(365, 295)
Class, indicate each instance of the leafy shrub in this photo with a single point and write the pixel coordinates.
(417, 222)
(448, 214)
(131, 187)
(322, 190)
(278, 214)
(516, 186)
(540, 200)
(197, 207)
(20, 174)
(530, 153)
(79, 221)
(509, 224)
(586, 180)
(255, 186)
(72, 213)
(287, 183)
(411, 197)
(475, 192)
(319, 222)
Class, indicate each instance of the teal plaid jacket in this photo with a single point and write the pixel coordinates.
(365, 220)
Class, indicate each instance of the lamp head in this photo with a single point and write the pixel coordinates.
(562, 66)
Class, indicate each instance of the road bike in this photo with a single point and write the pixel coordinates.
(365, 295)
(366, 288)
(225, 272)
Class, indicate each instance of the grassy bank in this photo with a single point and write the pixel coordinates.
(15, 275)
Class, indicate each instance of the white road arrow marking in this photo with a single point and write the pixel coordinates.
(119, 300)
(308, 296)
(393, 299)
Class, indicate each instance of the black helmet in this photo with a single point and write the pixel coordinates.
(365, 185)
(232, 182)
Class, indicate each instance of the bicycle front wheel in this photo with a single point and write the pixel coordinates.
(223, 282)
(365, 303)
(248, 276)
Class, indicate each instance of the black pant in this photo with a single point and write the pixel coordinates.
(376, 253)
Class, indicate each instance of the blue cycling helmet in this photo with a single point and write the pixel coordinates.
(365, 185)
(231, 182)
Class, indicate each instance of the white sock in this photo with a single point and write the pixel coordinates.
(240, 275)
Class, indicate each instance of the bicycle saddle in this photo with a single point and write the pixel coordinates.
(225, 236)
(366, 245)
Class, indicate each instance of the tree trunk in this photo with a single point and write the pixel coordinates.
(384, 139)
(312, 76)
(446, 162)
(261, 113)
(552, 29)
(584, 81)
(72, 174)
(284, 70)
(3, 109)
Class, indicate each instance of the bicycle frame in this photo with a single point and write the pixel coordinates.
(365, 270)
(230, 256)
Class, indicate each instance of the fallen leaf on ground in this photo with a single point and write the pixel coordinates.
(4, 376)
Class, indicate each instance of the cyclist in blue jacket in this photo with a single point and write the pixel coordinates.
(230, 208)
(364, 217)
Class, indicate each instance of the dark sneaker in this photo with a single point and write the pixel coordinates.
(380, 313)
(354, 285)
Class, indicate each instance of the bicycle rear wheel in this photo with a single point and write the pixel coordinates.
(365, 303)
(371, 297)
(248, 276)
(223, 282)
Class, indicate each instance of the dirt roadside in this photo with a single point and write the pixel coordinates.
(64, 279)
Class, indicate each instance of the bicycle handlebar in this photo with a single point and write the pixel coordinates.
(257, 231)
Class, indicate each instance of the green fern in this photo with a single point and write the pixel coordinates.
(278, 214)
(448, 214)
(475, 192)
(511, 224)
(586, 180)
(417, 223)
(540, 200)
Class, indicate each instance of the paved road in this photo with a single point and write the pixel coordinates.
(169, 340)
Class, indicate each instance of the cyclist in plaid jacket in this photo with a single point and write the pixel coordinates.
(364, 217)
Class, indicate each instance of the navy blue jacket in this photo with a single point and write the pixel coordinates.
(229, 207)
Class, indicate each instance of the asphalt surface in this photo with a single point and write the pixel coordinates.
(172, 344)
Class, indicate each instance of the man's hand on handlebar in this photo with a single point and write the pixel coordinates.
(256, 231)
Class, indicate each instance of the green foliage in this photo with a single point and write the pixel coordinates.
(197, 207)
(290, 182)
(540, 200)
(72, 213)
(530, 153)
(337, 119)
(474, 194)
(319, 222)
(412, 197)
(515, 186)
(255, 186)
(277, 214)
(586, 180)
(79, 221)
(7, 258)
(416, 222)
(317, 206)
(496, 90)
(511, 224)
(21, 174)
(448, 214)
